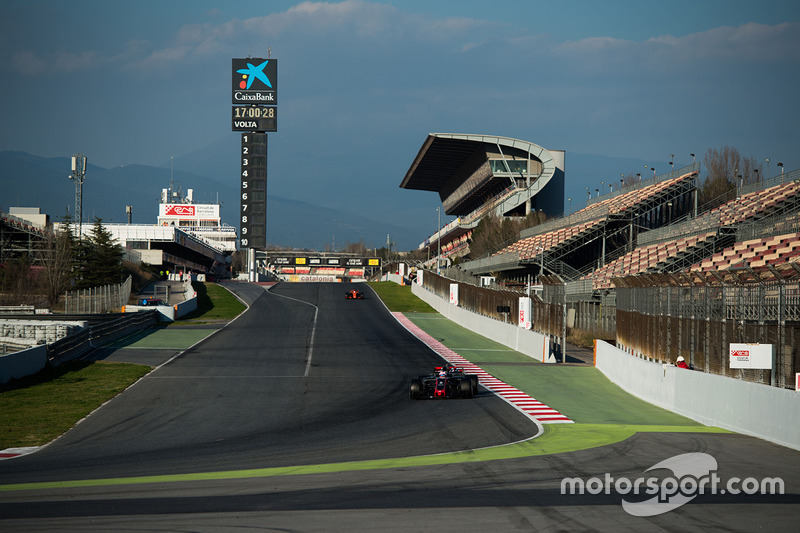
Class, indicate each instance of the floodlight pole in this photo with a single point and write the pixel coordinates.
(439, 239)
(78, 176)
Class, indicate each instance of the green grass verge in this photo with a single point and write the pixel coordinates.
(213, 303)
(164, 338)
(36, 409)
(585, 395)
(556, 439)
(398, 298)
(582, 393)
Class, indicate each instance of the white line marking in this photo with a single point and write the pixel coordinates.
(313, 329)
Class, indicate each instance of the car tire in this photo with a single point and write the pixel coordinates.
(465, 386)
(474, 380)
(415, 389)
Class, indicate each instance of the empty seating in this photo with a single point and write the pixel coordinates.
(645, 258)
(754, 253)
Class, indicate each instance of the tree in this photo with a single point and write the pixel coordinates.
(239, 261)
(18, 282)
(358, 248)
(726, 170)
(100, 258)
(58, 257)
(630, 179)
(495, 232)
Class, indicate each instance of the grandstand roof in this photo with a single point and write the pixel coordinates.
(443, 154)
(469, 171)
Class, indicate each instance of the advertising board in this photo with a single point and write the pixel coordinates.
(751, 355)
(255, 81)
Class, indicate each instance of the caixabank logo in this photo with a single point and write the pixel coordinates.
(255, 81)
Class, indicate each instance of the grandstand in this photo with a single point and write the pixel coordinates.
(754, 253)
(591, 237)
(649, 226)
(479, 174)
(22, 232)
(651, 269)
(709, 242)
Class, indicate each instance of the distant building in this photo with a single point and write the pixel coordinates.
(33, 215)
(200, 220)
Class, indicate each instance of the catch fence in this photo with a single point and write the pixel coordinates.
(662, 316)
(547, 311)
(105, 299)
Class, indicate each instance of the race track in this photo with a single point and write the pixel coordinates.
(303, 377)
(227, 436)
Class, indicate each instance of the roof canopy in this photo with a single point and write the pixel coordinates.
(443, 154)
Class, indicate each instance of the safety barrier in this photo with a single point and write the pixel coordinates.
(22, 363)
(530, 343)
(766, 412)
(28, 362)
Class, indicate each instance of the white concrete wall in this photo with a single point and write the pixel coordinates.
(530, 343)
(188, 305)
(166, 312)
(33, 332)
(23, 363)
(767, 412)
(396, 278)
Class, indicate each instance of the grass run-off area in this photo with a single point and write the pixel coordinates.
(36, 409)
(213, 303)
(398, 298)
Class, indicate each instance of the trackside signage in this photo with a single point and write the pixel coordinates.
(524, 312)
(454, 293)
(349, 262)
(751, 355)
(255, 81)
(189, 210)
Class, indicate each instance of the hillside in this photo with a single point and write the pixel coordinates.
(30, 181)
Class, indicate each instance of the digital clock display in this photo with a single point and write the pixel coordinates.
(254, 118)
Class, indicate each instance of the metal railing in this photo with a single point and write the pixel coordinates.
(75, 346)
(663, 316)
(105, 299)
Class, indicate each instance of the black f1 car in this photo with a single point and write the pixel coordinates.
(445, 382)
(354, 295)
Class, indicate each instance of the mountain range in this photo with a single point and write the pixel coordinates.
(359, 205)
(30, 181)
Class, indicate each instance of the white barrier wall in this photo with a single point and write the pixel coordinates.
(396, 278)
(189, 303)
(530, 343)
(23, 363)
(166, 313)
(767, 412)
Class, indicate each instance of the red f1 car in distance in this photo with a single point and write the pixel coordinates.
(354, 295)
(445, 382)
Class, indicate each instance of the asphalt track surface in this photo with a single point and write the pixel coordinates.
(308, 378)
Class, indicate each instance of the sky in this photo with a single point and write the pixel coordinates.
(362, 83)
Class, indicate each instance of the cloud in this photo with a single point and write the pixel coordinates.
(28, 63)
(352, 21)
(749, 43)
